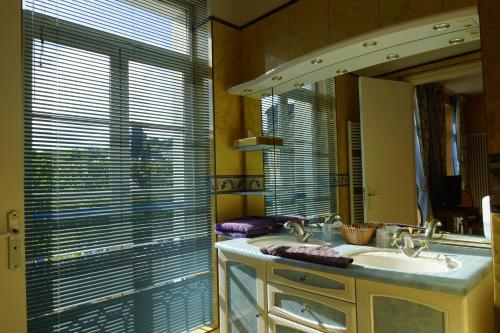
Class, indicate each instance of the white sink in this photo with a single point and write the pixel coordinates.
(393, 260)
(282, 240)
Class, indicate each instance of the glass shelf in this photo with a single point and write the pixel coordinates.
(255, 147)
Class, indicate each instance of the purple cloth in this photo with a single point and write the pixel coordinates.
(230, 234)
(253, 225)
(245, 225)
(321, 254)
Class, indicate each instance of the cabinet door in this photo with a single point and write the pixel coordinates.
(242, 304)
(384, 308)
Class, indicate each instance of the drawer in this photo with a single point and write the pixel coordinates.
(280, 325)
(316, 311)
(327, 284)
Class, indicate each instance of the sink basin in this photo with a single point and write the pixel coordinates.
(426, 262)
(282, 240)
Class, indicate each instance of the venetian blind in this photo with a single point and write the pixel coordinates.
(303, 172)
(117, 166)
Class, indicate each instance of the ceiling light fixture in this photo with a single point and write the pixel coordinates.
(455, 41)
(316, 61)
(276, 78)
(247, 90)
(298, 85)
(392, 56)
(341, 71)
(441, 26)
(369, 43)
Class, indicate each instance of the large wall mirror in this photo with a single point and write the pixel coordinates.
(400, 139)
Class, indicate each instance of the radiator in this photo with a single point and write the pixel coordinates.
(355, 172)
(476, 160)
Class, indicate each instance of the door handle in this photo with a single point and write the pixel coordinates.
(13, 238)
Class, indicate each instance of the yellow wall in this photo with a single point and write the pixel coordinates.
(12, 285)
(227, 116)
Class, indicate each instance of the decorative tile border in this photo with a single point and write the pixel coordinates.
(494, 180)
(242, 183)
(228, 184)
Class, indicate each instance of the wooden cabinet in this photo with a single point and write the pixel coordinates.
(242, 300)
(257, 297)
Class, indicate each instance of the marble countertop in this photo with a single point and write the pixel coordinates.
(476, 264)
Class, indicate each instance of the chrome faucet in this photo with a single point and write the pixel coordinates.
(408, 248)
(298, 230)
(430, 227)
(332, 218)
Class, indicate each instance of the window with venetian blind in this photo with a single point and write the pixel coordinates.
(302, 174)
(117, 166)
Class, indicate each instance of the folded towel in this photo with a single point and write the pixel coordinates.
(230, 234)
(248, 225)
(323, 254)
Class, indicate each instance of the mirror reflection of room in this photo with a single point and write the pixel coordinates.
(451, 156)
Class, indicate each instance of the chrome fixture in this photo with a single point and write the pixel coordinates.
(392, 56)
(247, 90)
(341, 71)
(332, 218)
(276, 78)
(369, 43)
(430, 227)
(441, 26)
(408, 248)
(316, 61)
(298, 85)
(295, 228)
(455, 41)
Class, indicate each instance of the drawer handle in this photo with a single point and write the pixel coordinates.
(305, 308)
(304, 278)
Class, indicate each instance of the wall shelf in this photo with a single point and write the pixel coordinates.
(260, 147)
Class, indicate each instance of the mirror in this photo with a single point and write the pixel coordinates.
(343, 132)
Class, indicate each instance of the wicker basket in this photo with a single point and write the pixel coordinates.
(359, 234)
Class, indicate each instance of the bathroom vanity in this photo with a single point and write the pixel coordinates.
(262, 293)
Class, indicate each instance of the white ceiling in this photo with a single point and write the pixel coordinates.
(240, 12)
